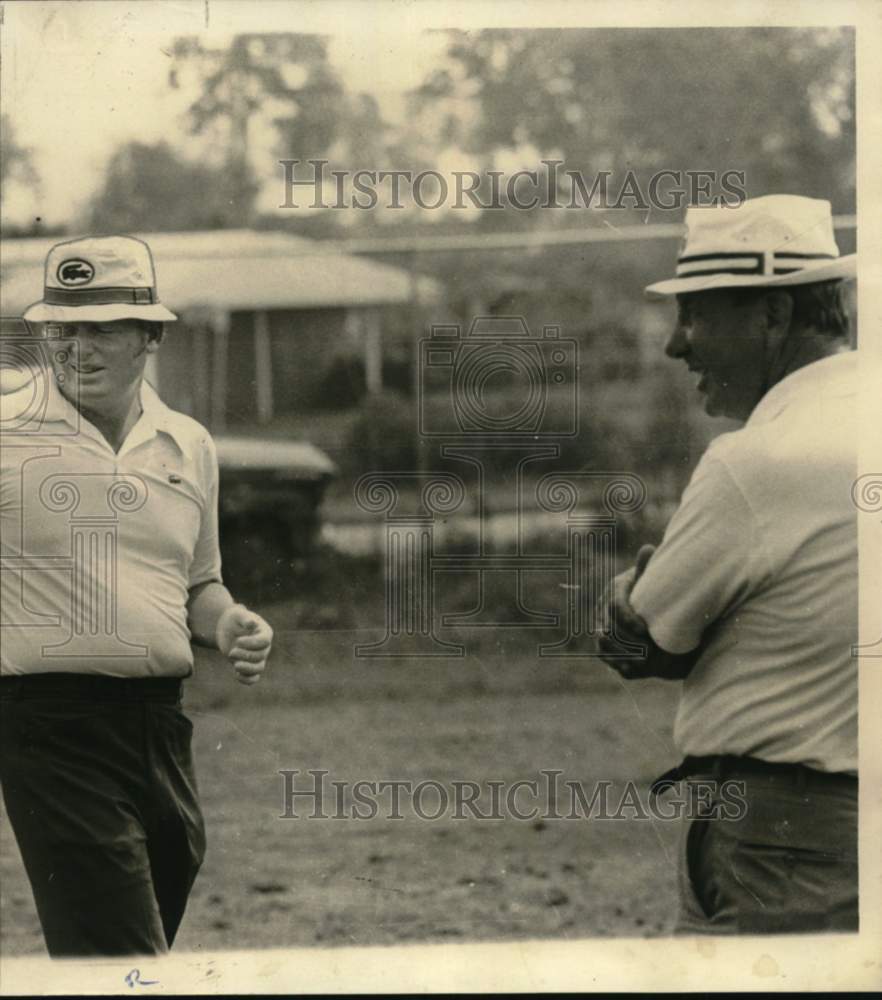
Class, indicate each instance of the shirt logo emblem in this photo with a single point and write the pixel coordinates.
(75, 271)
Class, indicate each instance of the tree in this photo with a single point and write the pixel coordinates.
(17, 174)
(283, 87)
(777, 103)
(149, 187)
(16, 163)
(281, 80)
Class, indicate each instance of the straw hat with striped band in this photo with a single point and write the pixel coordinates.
(776, 240)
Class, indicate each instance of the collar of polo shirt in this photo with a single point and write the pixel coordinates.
(793, 386)
(156, 415)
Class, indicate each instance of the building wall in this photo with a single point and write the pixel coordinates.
(303, 344)
(184, 370)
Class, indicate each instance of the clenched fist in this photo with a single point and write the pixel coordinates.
(615, 607)
(245, 639)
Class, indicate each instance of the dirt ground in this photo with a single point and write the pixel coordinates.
(501, 714)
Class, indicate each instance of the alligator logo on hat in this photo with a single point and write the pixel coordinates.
(75, 271)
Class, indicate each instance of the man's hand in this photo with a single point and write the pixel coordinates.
(245, 639)
(615, 607)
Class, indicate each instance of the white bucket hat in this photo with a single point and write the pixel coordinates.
(780, 239)
(96, 279)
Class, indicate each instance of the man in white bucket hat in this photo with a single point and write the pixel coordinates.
(111, 567)
(751, 596)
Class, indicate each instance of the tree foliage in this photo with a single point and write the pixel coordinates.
(236, 82)
(149, 187)
(16, 165)
(777, 103)
(283, 82)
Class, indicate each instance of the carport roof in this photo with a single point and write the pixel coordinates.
(229, 270)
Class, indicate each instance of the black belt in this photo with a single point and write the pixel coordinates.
(91, 687)
(726, 766)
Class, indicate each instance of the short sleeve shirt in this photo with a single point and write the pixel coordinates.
(758, 567)
(100, 549)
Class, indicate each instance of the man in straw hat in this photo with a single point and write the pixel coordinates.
(751, 597)
(108, 501)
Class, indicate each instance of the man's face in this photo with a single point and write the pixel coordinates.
(723, 341)
(106, 361)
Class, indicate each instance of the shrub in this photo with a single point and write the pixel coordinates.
(382, 435)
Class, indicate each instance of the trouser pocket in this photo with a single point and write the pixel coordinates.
(793, 889)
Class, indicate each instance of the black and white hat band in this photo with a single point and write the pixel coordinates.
(745, 262)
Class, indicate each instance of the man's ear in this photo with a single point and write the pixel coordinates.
(154, 338)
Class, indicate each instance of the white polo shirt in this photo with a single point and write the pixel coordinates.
(99, 549)
(759, 566)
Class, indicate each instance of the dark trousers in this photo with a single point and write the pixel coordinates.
(99, 786)
(787, 865)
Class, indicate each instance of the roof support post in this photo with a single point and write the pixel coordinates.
(202, 336)
(219, 377)
(263, 367)
(416, 322)
(373, 352)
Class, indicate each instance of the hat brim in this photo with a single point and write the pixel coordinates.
(41, 312)
(842, 267)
